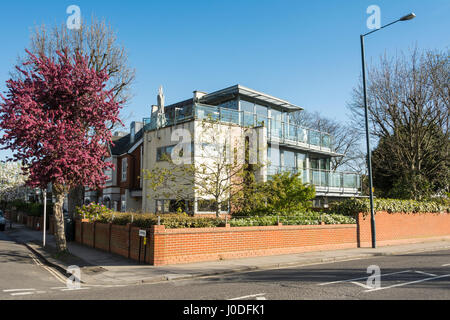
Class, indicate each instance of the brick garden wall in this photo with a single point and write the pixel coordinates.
(203, 244)
(121, 240)
(171, 246)
(397, 228)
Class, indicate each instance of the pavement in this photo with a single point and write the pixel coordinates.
(102, 268)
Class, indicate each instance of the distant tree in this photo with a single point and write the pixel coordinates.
(408, 102)
(56, 121)
(12, 181)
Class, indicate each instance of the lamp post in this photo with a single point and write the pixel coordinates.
(366, 118)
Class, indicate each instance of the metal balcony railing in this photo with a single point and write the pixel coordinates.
(276, 130)
(323, 178)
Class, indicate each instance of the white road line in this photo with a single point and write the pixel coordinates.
(407, 283)
(59, 277)
(21, 293)
(350, 280)
(426, 273)
(249, 296)
(446, 265)
(13, 290)
(70, 289)
(361, 285)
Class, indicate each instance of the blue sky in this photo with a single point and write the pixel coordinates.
(306, 52)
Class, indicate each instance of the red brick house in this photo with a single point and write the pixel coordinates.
(123, 189)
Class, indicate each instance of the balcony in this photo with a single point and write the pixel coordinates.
(327, 182)
(277, 131)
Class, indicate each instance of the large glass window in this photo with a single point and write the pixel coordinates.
(301, 160)
(273, 155)
(289, 160)
(232, 104)
(247, 106)
(261, 110)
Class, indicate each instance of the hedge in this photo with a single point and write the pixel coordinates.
(301, 218)
(176, 221)
(351, 207)
(29, 208)
(171, 221)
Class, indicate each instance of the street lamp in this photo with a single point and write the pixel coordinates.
(366, 116)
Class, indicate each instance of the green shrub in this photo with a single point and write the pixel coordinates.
(171, 221)
(177, 221)
(29, 208)
(351, 207)
(299, 218)
(281, 194)
(92, 211)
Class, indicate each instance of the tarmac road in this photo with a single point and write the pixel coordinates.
(423, 275)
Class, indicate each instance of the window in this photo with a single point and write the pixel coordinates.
(124, 169)
(301, 161)
(232, 104)
(289, 160)
(123, 203)
(164, 153)
(171, 205)
(261, 110)
(247, 106)
(206, 205)
(273, 155)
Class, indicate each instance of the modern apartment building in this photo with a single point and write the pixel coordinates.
(238, 113)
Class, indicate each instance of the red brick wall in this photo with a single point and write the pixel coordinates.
(203, 244)
(119, 240)
(102, 236)
(171, 246)
(392, 228)
(88, 233)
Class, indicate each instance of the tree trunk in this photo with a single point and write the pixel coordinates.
(60, 235)
(75, 199)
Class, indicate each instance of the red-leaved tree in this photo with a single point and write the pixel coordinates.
(55, 120)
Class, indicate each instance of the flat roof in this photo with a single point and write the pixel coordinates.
(244, 91)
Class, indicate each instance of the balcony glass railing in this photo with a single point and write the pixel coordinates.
(276, 129)
(323, 178)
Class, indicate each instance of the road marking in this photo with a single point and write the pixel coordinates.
(361, 285)
(58, 276)
(74, 289)
(446, 265)
(426, 273)
(350, 280)
(407, 283)
(13, 290)
(21, 293)
(250, 296)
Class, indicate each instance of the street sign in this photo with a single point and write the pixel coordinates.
(142, 233)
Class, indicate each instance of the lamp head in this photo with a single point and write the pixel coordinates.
(408, 17)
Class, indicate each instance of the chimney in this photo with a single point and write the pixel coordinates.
(154, 109)
(134, 128)
(119, 134)
(198, 95)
